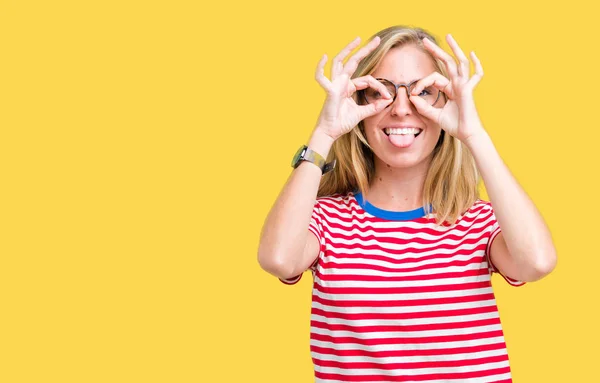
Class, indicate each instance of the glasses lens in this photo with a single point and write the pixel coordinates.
(372, 95)
(429, 94)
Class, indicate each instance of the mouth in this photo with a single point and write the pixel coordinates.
(403, 137)
(402, 131)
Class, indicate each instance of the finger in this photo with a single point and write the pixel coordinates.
(370, 82)
(320, 74)
(464, 64)
(336, 65)
(436, 80)
(442, 55)
(368, 110)
(353, 62)
(473, 81)
(425, 109)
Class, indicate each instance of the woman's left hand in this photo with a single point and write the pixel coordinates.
(458, 117)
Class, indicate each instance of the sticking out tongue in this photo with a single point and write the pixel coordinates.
(402, 140)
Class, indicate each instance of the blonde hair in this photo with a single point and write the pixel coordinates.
(451, 183)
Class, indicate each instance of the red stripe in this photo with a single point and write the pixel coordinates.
(402, 290)
(291, 281)
(358, 252)
(416, 237)
(403, 278)
(400, 316)
(404, 303)
(412, 378)
(395, 259)
(417, 352)
(342, 266)
(354, 216)
(410, 365)
(352, 222)
(407, 328)
(405, 340)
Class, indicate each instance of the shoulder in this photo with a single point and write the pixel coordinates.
(481, 205)
(479, 212)
(339, 206)
(337, 200)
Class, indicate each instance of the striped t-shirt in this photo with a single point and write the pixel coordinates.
(397, 298)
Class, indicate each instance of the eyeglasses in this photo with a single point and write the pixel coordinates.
(370, 95)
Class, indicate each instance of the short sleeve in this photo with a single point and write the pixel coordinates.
(494, 230)
(316, 228)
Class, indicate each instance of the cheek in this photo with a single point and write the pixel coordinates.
(433, 137)
(370, 124)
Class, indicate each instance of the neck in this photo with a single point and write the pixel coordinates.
(397, 189)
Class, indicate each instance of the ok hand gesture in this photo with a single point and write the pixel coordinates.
(340, 113)
(459, 116)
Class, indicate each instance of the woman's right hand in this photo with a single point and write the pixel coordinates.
(340, 113)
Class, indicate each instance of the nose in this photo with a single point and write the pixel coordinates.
(402, 105)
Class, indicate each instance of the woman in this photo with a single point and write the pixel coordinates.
(400, 246)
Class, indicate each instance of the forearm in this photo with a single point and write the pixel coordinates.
(525, 232)
(285, 230)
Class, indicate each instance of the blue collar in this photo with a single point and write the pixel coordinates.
(388, 214)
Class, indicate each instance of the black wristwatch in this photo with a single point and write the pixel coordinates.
(306, 154)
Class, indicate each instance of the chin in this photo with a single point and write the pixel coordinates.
(402, 160)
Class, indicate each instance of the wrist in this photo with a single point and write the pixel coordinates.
(477, 140)
(320, 142)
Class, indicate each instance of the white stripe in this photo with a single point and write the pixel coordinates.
(428, 282)
(435, 257)
(346, 217)
(351, 227)
(410, 359)
(438, 270)
(396, 347)
(432, 247)
(411, 372)
(486, 379)
(406, 322)
(402, 309)
(441, 261)
(358, 247)
(406, 334)
(377, 297)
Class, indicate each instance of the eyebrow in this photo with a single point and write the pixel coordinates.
(405, 83)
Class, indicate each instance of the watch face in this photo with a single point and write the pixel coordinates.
(299, 154)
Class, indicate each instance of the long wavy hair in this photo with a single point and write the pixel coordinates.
(451, 183)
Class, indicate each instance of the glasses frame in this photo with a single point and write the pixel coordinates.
(398, 86)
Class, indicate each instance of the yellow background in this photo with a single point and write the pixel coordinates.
(143, 143)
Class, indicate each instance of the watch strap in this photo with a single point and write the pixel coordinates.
(307, 154)
(314, 157)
